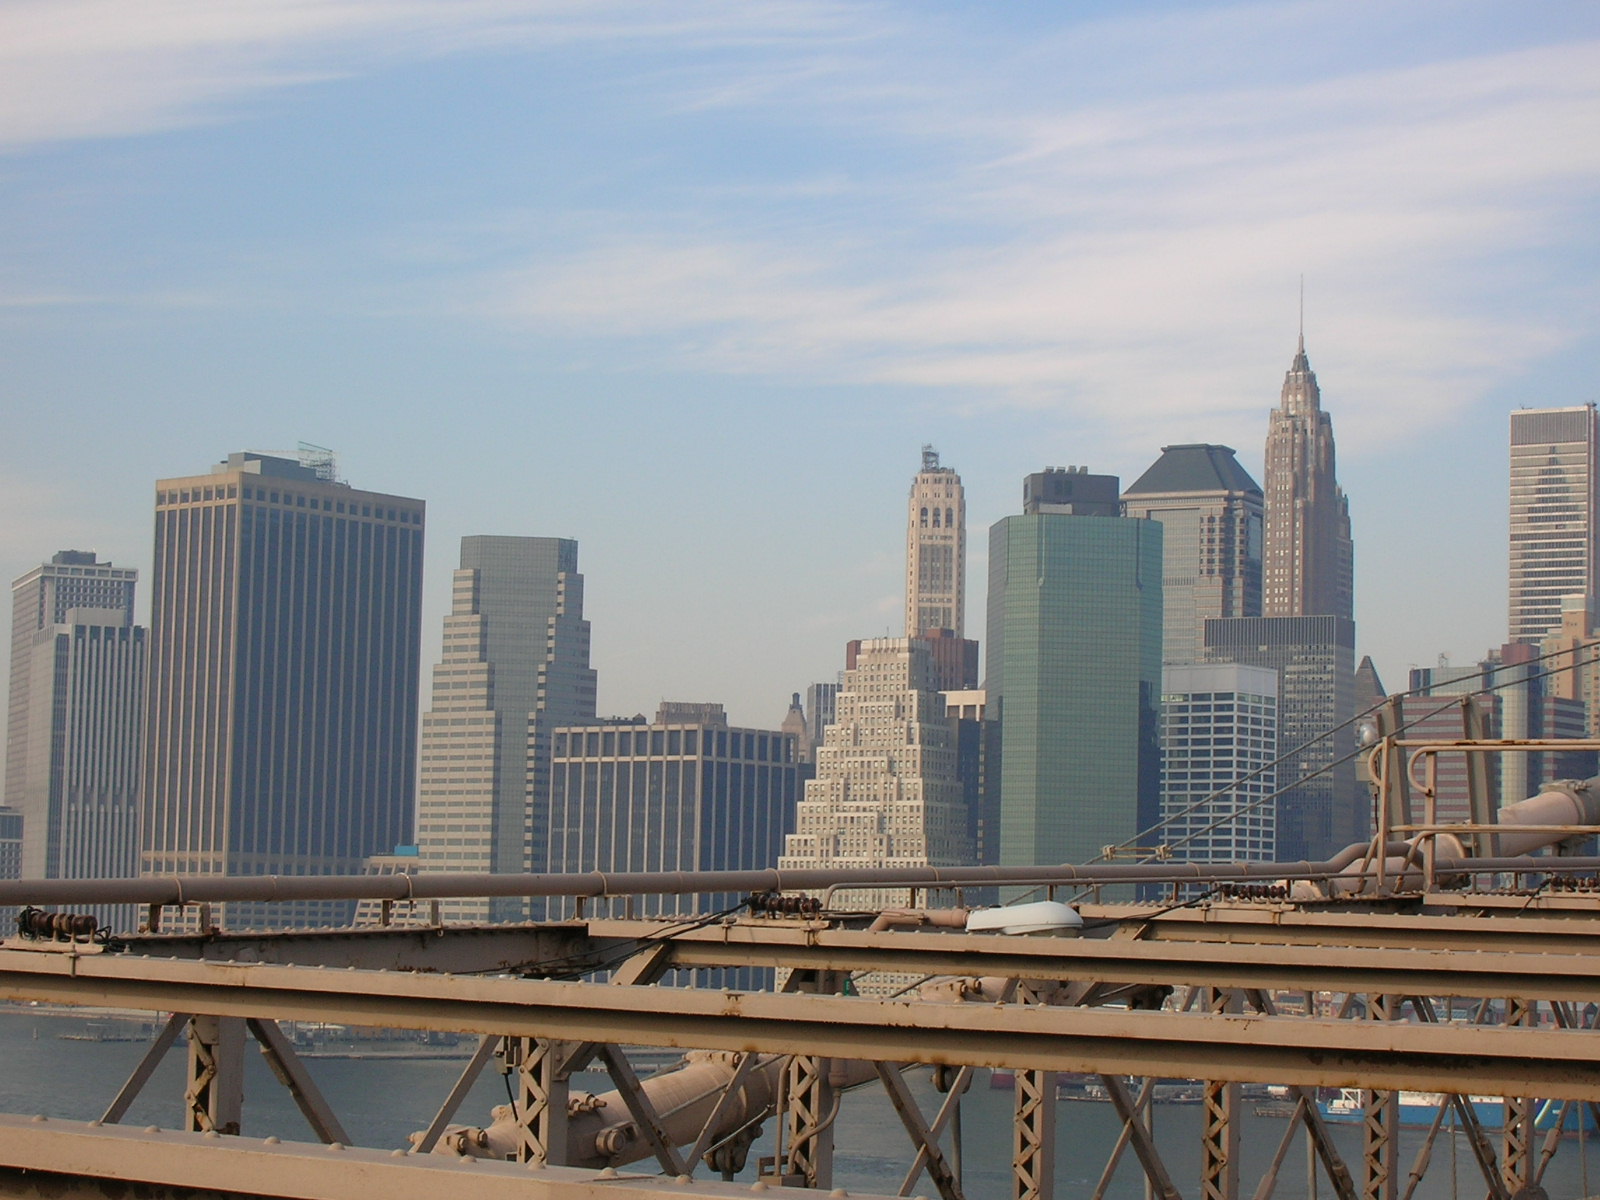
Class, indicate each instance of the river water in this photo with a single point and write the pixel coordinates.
(381, 1100)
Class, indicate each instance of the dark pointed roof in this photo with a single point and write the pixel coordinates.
(1195, 468)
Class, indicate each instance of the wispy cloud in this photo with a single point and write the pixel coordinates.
(1121, 260)
(105, 68)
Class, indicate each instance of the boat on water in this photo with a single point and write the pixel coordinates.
(1420, 1108)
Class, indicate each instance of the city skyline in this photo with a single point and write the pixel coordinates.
(745, 260)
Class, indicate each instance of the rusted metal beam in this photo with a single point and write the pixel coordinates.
(1552, 1063)
(1326, 967)
(73, 1161)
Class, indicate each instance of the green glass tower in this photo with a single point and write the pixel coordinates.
(1074, 679)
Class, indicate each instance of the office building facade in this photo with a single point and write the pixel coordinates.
(40, 600)
(686, 792)
(75, 739)
(936, 550)
(285, 622)
(514, 665)
(1074, 674)
(1554, 454)
(1307, 555)
(1219, 737)
(1211, 515)
(1320, 808)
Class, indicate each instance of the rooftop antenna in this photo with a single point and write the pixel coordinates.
(1302, 346)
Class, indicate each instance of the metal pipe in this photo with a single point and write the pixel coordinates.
(170, 889)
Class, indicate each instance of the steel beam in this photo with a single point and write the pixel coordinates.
(1390, 968)
(1553, 1063)
(67, 1160)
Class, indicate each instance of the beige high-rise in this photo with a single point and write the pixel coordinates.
(1307, 559)
(936, 550)
(887, 792)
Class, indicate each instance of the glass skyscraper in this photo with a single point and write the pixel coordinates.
(1074, 672)
(285, 622)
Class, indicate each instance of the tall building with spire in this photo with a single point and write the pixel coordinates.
(936, 550)
(1308, 558)
(1555, 516)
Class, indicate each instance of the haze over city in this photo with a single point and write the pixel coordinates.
(694, 285)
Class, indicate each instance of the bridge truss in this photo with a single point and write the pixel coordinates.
(1451, 991)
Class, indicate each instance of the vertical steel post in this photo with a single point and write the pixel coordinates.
(809, 1101)
(542, 1087)
(1516, 1162)
(1033, 1137)
(1219, 1129)
(214, 1095)
(1380, 1125)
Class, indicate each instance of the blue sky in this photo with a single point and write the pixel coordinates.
(693, 283)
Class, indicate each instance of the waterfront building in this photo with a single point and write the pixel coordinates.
(1554, 454)
(887, 790)
(40, 600)
(514, 666)
(1320, 808)
(285, 621)
(936, 550)
(1307, 555)
(75, 736)
(1219, 737)
(685, 792)
(1211, 515)
(1074, 671)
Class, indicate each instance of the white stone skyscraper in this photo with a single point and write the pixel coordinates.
(1554, 457)
(887, 792)
(936, 550)
(1307, 559)
(515, 665)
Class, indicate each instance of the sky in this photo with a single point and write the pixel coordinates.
(694, 282)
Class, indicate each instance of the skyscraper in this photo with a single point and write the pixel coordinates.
(887, 790)
(1211, 515)
(1074, 670)
(76, 722)
(1308, 557)
(515, 665)
(936, 550)
(683, 793)
(1320, 809)
(1219, 736)
(1554, 482)
(41, 599)
(285, 618)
